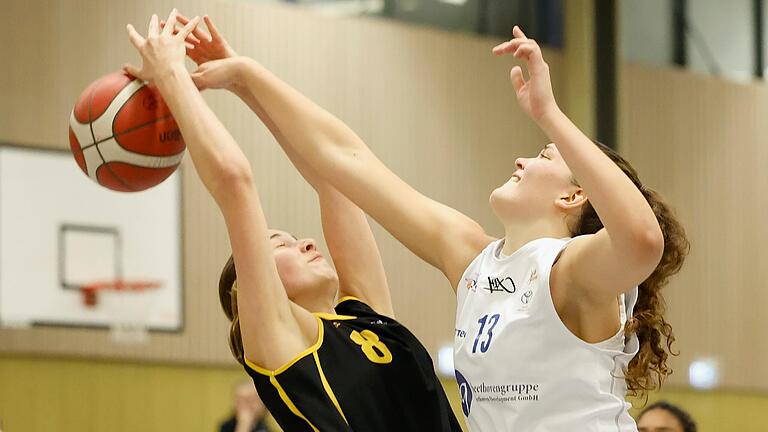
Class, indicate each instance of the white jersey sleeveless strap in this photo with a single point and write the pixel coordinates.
(518, 366)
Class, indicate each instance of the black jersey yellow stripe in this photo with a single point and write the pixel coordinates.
(345, 298)
(301, 355)
(327, 387)
(289, 403)
(331, 317)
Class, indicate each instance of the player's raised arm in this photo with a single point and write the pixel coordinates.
(627, 250)
(267, 316)
(346, 230)
(436, 233)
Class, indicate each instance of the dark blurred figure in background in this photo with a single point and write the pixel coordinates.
(249, 414)
(662, 416)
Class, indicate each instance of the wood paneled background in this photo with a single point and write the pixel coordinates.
(703, 143)
(436, 107)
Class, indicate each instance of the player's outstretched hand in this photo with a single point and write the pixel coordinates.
(205, 46)
(535, 94)
(162, 50)
(218, 74)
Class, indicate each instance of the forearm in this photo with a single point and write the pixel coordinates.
(305, 128)
(214, 152)
(342, 159)
(622, 208)
(345, 227)
(306, 171)
(331, 200)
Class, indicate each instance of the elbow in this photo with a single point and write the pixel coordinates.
(650, 244)
(231, 177)
(236, 173)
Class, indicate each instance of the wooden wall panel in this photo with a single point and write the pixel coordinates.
(702, 142)
(71, 395)
(436, 107)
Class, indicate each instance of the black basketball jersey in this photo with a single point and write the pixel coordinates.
(365, 373)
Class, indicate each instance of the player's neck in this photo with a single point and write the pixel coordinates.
(315, 304)
(517, 234)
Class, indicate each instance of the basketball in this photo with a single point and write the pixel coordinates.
(122, 134)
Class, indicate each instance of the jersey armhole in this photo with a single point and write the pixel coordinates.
(313, 348)
(351, 307)
(348, 298)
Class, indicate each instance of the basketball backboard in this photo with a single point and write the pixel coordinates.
(59, 231)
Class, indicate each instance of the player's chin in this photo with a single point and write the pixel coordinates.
(503, 200)
(331, 272)
(324, 269)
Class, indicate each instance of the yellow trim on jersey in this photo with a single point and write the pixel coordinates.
(345, 298)
(289, 403)
(331, 317)
(291, 362)
(327, 387)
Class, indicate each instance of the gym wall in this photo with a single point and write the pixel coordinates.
(436, 107)
(701, 142)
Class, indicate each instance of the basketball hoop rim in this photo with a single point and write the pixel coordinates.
(90, 290)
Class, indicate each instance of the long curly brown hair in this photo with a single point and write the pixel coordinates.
(648, 369)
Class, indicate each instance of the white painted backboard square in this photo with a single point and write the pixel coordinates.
(59, 229)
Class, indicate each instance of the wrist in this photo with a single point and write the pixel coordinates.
(173, 73)
(246, 70)
(549, 117)
(240, 68)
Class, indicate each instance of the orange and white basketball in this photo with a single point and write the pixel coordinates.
(122, 134)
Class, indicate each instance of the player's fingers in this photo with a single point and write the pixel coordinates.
(184, 32)
(170, 24)
(132, 70)
(190, 37)
(153, 29)
(511, 46)
(518, 32)
(501, 48)
(199, 81)
(134, 37)
(198, 32)
(524, 52)
(211, 27)
(516, 75)
(532, 51)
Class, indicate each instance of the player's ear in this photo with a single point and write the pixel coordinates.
(572, 200)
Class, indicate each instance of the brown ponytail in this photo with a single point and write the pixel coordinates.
(228, 300)
(648, 369)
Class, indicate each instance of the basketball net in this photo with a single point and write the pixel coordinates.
(129, 325)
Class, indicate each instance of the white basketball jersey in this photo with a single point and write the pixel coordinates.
(518, 367)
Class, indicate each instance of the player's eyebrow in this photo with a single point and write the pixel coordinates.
(279, 234)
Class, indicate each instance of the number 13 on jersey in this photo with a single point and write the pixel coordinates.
(485, 334)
